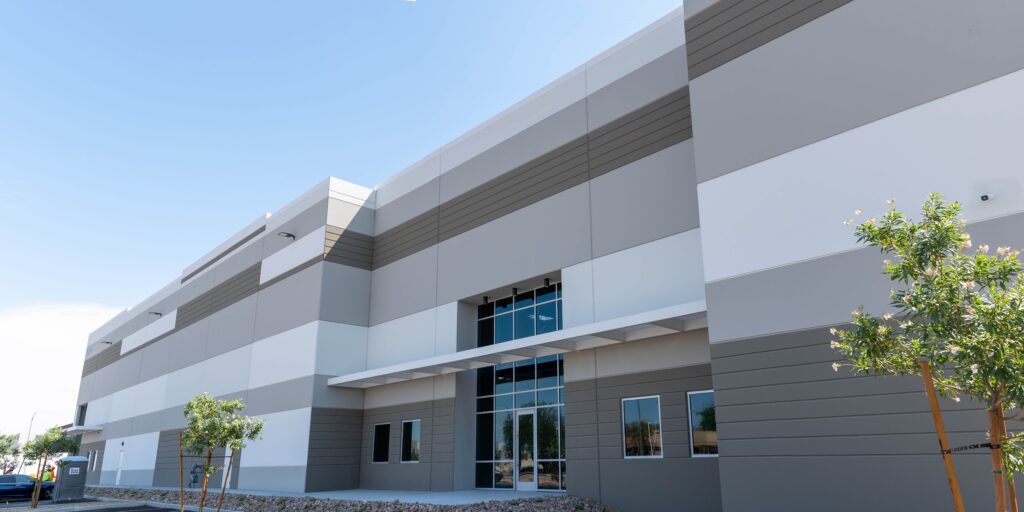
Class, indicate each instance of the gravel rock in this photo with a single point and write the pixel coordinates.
(254, 503)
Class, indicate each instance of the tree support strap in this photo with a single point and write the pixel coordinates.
(970, 447)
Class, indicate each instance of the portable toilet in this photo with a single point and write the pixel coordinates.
(70, 478)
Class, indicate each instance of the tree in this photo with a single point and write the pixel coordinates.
(10, 452)
(44, 448)
(213, 424)
(958, 323)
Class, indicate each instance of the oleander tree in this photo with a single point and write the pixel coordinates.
(213, 424)
(47, 447)
(10, 453)
(958, 323)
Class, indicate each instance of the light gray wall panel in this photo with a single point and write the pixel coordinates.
(188, 345)
(554, 131)
(217, 259)
(408, 206)
(772, 99)
(596, 466)
(350, 217)
(228, 292)
(560, 222)
(289, 303)
(403, 287)
(820, 291)
(302, 224)
(646, 200)
(262, 478)
(155, 361)
(344, 295)
(335, 439)
(647, 130)
(118, 375)
(237, 263)
(651, 81)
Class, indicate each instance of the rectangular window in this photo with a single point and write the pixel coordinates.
(381, 438)
(641, 427)
(411, 441)
(703, 429)
(521, 315)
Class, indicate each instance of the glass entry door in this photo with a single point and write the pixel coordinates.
(526, 450)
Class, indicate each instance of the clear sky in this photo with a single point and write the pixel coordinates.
(136, 136)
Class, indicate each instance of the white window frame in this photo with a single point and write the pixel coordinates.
(689, 424)
(401, 447)
(622, 423)
(373, 443)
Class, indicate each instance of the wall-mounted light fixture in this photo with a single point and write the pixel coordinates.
(285, 234)
(984, 197)
(515, 291)
(485, 300)
(156, 313)
(107, 342)
(547, 281)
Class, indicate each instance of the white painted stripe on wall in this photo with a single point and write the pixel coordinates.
(295, 254)
(285, 356)
(285, 440)
(790, 208)
(162, 325)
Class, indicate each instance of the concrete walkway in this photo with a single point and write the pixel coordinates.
(465, 497)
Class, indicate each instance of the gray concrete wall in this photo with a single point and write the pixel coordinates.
(434, 471)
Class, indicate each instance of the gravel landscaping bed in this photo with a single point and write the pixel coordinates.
(253, 503)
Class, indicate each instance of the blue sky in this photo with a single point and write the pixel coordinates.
(135, 136)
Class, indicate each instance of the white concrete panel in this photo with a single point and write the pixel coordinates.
(962, 145)
(295, 254)
(340, 348)
(350, 192)
(672, 351)
(285, 440)
(447, 329)
(554, 97)
(162, 325)
(228, 372)
(650, 43)
(139, 454)
(578, 294)
(285, 356)
(403, 339)
(410, 392)
(654, 275)
(184, 384)
(142, 398)
(302, 203)
(98, 411)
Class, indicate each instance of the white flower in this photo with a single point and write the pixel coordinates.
(929, 272)
(1003, 251)
(953, 349)
(834, 344)
(963, 222)
(835, 367)
(887, 262)
(983, 248)
(891, 201)
(858, 213)
(974, 368)
(881, 329)
(1013, 254)
(870, 222)
(847, 222)
(967, 285)
(956, 399)
(887, 317)
(833, 331)
(966, 244)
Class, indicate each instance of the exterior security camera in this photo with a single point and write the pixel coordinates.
(984, 197)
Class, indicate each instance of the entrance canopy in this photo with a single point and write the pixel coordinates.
(673, 319)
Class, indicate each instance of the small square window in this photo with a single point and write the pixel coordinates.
(503, 305)
(641, 427)
(503, 328)
(411, 441)
(485, 310)
(524, 299)
(381, 442)
(703, 429)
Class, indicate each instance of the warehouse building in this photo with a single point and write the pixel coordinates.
(621, 287)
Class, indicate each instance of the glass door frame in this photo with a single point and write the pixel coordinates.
(519, 485)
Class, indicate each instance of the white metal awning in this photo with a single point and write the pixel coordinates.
(678, 318)
(83, 429)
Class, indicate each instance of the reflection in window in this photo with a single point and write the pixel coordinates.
(411, 441)
(517, 316)
(534, 384)
(381, 435)
(641, 426)
(703, 429)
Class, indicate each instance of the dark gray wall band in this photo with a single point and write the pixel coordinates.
(335, 439)
(243, 284)
(596, 466)
(731, 28)
(165, 468)
(434, 471)
(348, 247)
(643, 132)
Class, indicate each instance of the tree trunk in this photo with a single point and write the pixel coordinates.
(1011, 486)
(940, 430)
(181, 476)
(227, 479)
(206, 479)
(994, 433)
(39, 482)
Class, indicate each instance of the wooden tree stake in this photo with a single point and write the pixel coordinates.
(940, 429)
(181, 477)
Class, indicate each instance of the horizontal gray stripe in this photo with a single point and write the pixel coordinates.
(731, 28)
(227, 251)
(645, 131)
(348, 247)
